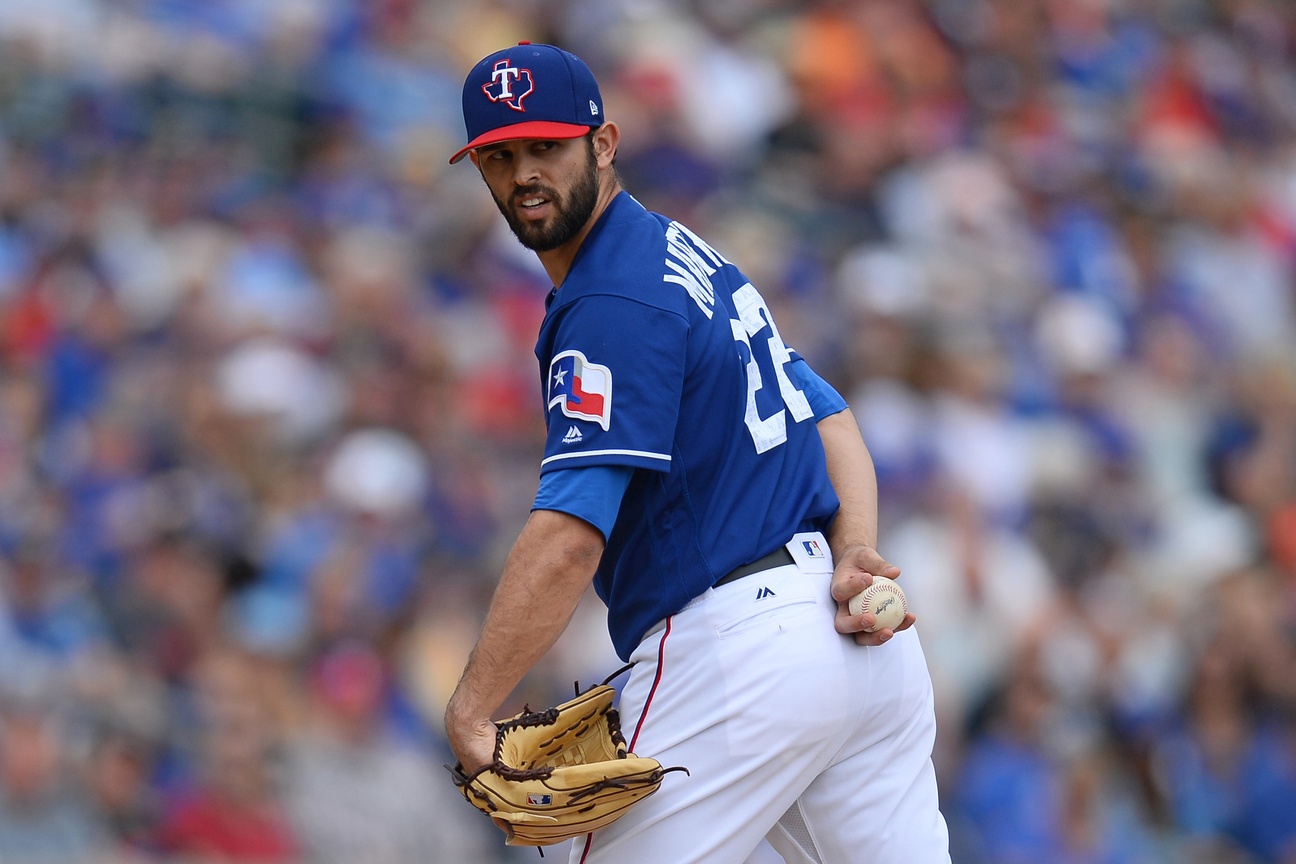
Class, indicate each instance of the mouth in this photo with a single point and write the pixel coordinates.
(531, 204)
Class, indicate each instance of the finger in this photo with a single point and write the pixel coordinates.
(873, 562)
(867, 558)
(849, 580)
(874, 639)
(846, 623)
(847, 585)
(881, 567)
(885, 634)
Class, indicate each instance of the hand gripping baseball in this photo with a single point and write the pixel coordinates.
(854, 572)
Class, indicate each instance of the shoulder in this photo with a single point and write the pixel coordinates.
(645, 257)
(628, 241)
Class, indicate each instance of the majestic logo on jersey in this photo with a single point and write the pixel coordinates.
(764, 592)
(582, 389)
(509, 85)
(573, 436)
(813, 548)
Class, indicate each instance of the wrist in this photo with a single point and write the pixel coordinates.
(460, 712)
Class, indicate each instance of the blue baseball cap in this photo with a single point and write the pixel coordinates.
(529, 91)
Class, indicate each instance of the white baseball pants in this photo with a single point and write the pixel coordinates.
(789, 730)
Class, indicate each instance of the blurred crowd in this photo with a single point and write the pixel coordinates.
(269, 411)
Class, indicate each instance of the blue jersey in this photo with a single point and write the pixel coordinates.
(658, 354)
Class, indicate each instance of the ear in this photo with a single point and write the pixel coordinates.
(606, 141)
(476, 160)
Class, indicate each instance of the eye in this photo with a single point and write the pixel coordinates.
(499, 155)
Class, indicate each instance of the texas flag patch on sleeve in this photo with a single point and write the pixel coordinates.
(582, 389)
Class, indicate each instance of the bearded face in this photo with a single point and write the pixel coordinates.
(571, 209)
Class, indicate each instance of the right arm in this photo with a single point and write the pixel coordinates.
(853, 535)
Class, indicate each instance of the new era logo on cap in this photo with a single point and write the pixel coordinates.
(529, 91)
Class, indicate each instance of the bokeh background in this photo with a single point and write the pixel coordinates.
(269, 411)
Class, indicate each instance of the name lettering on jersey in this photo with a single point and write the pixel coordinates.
(692, 262)
(573, 436)
(583, 390)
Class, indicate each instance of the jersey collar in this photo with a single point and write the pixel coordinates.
(610, 214)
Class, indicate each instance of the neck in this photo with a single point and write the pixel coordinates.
(557, 262)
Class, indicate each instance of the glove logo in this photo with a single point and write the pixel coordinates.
(540, 800)
(509, 85)
(583, 390)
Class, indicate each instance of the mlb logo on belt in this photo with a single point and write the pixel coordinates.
(813, 548)
(583, 390)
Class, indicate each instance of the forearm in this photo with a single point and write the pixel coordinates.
(853, 535)
(550, 566)
(850, 468)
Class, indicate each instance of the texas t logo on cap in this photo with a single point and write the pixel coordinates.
(509, 85)
(553, 90)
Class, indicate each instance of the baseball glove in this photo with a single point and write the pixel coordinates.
(560, 773)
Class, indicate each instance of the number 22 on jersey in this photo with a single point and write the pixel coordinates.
(754, 318)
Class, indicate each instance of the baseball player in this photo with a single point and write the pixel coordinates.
(719, 496)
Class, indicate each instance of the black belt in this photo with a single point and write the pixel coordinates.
(778, 558)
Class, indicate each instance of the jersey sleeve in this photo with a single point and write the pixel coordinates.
(824, 400)
(613, 384)
(592, 493)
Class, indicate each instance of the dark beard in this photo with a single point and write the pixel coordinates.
(572, 213)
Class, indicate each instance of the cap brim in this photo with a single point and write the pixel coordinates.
(530, 129)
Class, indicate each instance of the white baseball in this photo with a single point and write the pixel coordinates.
(884, 599)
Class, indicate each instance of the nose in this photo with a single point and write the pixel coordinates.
(526, 169)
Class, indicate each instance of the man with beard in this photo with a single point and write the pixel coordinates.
(706, 480)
